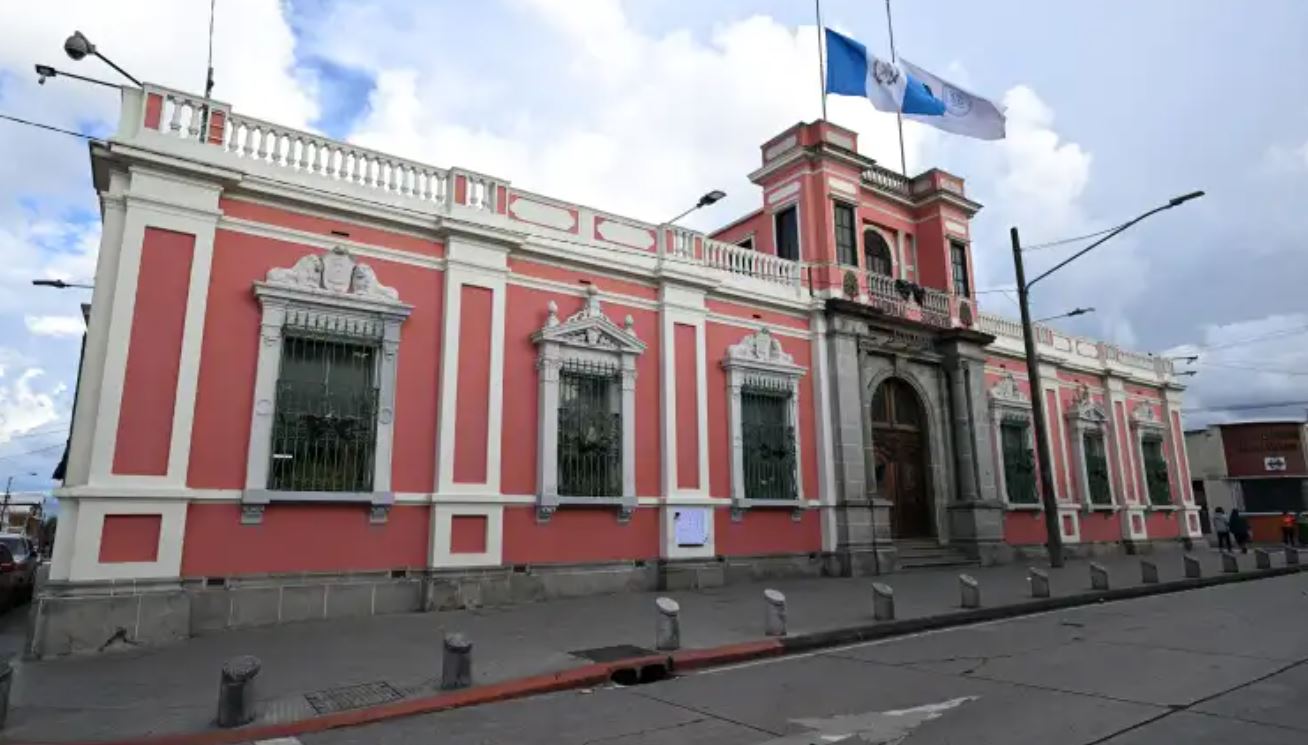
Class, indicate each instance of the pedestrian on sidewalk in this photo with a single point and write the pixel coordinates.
(1287, 528)
(1222, 527)
(1240, 531)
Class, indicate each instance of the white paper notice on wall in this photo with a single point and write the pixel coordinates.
(1274, 463)
(691, 526)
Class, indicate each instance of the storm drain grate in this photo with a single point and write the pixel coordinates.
(610, 654)
(352, 697)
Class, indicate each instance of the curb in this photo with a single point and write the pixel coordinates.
(587, 676)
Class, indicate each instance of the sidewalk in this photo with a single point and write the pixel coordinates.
(174, 689)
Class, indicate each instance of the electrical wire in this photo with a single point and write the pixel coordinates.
(1065, 241)
(50, 127)
(1245, 407)
(1252, 339)
(1252, 368)
(37, 451)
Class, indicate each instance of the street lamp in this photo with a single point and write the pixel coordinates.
(704, 201)
(78, 46)
(59, 284)
(45, 72)
(1189, 359)
(1053, 530)
(1069, 314)
(1185, 374)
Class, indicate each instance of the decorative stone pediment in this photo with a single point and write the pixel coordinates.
(761, 351)
(589, 328)
(1006, 392)
(335, 272)
(1143, 415)
(1084, 409)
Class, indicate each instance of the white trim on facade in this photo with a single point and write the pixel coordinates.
(1009, 403)
(442, 555)
(1088, 418)
(82, 555)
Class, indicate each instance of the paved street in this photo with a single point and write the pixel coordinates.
(1224, 664)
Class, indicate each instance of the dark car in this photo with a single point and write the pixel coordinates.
(25, 560)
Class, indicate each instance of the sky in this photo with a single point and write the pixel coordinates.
(638, 107)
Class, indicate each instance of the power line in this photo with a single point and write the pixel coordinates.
(60, 430)
(1245, 407)
(1252, 368)
(50, 127)
(1252, 339)
(32, 452)
(1065, 241)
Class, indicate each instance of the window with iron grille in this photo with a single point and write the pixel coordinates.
(1155, 468)
(1019, 465)
(324, 433)
(958, 260)
(845, 240)
(590, 430)
(769, 442)
(1096, 468)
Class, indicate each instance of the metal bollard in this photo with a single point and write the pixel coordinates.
(1230, 565)
(236, 691)
(774, 623)
(1039, 581)
(1291, 556)
(883, 602)
(1148, 572)
(667, 634)
(969, 591)
(456, 662)
(1262, 558)
(1098, 576)
(1193, 569)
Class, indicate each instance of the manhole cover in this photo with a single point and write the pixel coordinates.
(352, 697)
(609, 654)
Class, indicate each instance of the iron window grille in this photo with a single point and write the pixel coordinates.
(590, 430)
(768, 441)
(1096, 468)
(1019, 464)
(1155, 468)
(324, 433)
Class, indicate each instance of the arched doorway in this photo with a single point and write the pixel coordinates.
(900, 445)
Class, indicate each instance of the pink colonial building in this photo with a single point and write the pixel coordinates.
(322, 381)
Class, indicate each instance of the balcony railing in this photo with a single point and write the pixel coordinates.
(887, 180)
(1049, 340)
(311, 160)
(896, 298)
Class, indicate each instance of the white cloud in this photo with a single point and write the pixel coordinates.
(55, 325)
(22, 406)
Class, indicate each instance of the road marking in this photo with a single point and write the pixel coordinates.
(279, 741)
(883, 727)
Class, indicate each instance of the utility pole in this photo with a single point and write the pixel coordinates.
(4, 511)
(1044, 462)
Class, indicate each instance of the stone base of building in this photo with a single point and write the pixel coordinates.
(1038, 552)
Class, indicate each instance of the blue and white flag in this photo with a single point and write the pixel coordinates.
(909, 90)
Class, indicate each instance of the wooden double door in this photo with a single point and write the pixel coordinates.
(900, 447)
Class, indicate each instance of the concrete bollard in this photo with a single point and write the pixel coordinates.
(1039, 581)
(456, 662)
(1230, 565)
(883, 602)
(1193, 570)
(1148, 572)
(1291, 556)
(774, 623)
(236, 691)
(1262, 558)
(1098, 576)
(969, 591)
(667, 634)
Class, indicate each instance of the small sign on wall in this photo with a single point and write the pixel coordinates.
(1274, 463)
(691, 526)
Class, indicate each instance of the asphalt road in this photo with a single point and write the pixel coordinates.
(1221, 665)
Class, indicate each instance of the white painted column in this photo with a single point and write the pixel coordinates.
(826, 468)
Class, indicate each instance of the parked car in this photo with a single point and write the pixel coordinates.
(25, 559)
(11, 586)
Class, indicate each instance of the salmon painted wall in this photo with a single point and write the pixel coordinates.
(330, 227)
(1163, 524)
(145, 419)
(1024, 528)
(686, 385)
(718, 337)
(764, 531)
(1126, 441)
(568, 276)
(579, 534)
(301, 538)
(225, 392)
(472, 397)
(757, 225)
(525, 313)
(1100, 527)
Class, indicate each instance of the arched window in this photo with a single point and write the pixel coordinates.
(876, 253)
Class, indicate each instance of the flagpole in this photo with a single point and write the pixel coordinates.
(899, 117)
(822, 78)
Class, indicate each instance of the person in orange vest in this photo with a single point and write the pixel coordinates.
(1287, 528)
